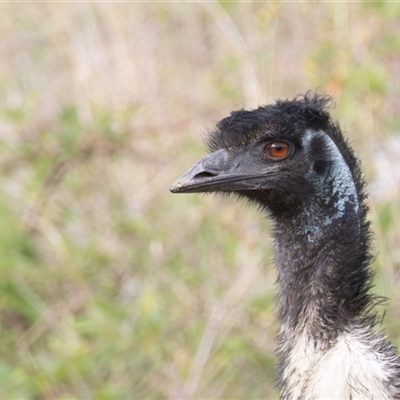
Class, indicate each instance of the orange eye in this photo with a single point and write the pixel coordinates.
(278, 149)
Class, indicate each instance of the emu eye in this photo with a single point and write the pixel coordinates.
(277, 149)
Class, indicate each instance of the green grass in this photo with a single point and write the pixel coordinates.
(111, 288)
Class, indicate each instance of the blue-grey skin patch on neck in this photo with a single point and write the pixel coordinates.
(336, 188)
(343, 184)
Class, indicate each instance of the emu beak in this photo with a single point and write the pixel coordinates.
(217, 172)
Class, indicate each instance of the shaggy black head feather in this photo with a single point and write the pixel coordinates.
(280, 119)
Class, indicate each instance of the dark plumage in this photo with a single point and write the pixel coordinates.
(292, 160)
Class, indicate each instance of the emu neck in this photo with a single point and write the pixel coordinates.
(324, 280)
(318, 270)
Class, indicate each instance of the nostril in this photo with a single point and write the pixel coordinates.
(205, 174)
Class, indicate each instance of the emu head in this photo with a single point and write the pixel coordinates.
(287, 157)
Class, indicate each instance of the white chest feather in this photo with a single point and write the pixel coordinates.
(353, 368)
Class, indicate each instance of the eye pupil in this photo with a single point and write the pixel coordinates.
(278, 149)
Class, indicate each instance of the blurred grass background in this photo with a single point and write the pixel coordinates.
(111, 288)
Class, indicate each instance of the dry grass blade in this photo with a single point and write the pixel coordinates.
(245, 277)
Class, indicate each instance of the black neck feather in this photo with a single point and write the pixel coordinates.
(324, 274)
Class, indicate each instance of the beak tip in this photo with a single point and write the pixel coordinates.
(174, 188)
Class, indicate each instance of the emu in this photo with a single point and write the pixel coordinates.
(292, 160)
